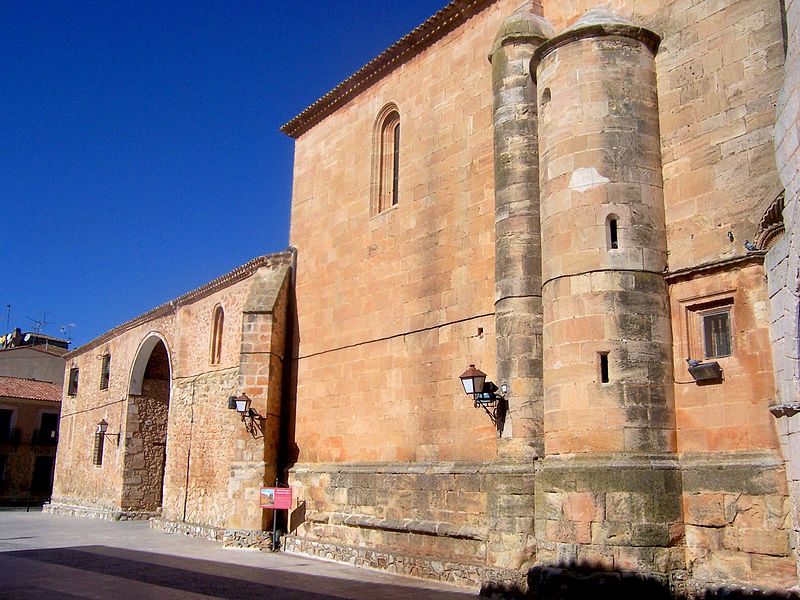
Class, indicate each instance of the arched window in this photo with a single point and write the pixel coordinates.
(217, 323)
(386, 159)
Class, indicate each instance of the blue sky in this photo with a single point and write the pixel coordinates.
(139, 147)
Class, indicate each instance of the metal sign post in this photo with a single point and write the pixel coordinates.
(277, 498)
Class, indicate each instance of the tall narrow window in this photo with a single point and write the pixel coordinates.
(105, 371)
(72, 387)
(604, 367)
(385, 189)
(612, 232)
(217, 324)
(396, 164)
(97, 449)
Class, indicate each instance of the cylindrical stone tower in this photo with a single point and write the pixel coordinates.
(518, 270)
(607, 337)
(609, 478)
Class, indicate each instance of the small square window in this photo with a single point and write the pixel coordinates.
(72, 388)
(716, 333)
(708, 325)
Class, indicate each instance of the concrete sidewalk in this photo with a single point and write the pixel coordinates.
(53, 557)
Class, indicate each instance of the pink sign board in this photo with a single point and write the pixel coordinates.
(277, 498)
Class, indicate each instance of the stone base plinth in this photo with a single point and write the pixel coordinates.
(232, 538)
(93, 512)
(471, 576)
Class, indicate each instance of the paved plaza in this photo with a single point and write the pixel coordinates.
(54, 557)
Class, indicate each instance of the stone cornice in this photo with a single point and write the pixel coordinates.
(786, 409)
(649, 39)
(238, 274)
(443, 22)
(756, 256)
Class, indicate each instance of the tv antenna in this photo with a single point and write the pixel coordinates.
(8, 316)
(40, 324)
(66, 330)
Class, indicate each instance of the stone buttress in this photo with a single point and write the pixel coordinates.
(518, 285)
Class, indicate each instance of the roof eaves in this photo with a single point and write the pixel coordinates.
(239, 273)
(443, 22)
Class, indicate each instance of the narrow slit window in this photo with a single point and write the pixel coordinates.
(396, 166)
(612, 234)
(217, 325)
(604, 367)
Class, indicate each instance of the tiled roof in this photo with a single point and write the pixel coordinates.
(14, 387)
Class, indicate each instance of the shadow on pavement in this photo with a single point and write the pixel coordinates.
(197, 576)
(585, 581)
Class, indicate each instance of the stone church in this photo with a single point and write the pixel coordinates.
(597, 208)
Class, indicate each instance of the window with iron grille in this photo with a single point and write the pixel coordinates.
(72, 387)
(97, 450)
(105, 372)
(717, 334)
(217, 325)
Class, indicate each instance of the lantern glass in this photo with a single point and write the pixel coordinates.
(473, 379)
(243, 404)
(102, 426)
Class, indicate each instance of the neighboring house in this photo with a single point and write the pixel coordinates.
(580, 216)
(41, 362)
(29, 417)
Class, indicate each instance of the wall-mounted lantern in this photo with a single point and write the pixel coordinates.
(700, 371)
(250, 417)
(102, 429)
(484, 394)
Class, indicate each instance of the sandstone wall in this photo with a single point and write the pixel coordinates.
(77, 481)
(201, 436)
(387, 309)
(390, 307)
(177, 408)
(720, 68)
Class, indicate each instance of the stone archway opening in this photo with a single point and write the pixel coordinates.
(146, 427)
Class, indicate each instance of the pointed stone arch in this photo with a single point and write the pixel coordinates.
(146, 422)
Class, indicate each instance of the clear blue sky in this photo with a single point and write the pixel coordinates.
(139, 147)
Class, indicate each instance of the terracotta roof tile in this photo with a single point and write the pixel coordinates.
(14, 387)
